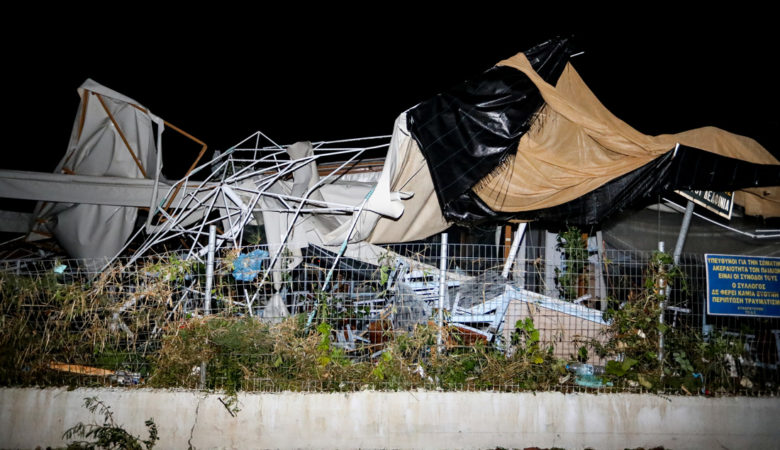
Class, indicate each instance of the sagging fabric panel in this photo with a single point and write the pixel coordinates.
(466, 132)
(686, 169)
(572, 156)
(577, 145)
(96, 148)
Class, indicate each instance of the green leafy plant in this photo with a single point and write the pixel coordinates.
(582, 354)
(326, 352)
(386, 262)
(634, 331)
(575, 255)
(173, 268)
(634, 336)
(525, 338)
(109, 434)
(620, 368)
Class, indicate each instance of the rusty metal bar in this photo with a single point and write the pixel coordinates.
(122, 135)
(185, 134)
(83, 117)
(194, 164)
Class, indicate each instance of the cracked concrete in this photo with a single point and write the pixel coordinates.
(38, 417)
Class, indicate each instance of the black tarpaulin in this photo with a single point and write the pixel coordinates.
(534, 143)
(684, 169)
(465, 132)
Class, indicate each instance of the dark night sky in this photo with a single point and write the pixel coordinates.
(320, 79)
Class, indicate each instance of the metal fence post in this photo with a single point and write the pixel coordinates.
(601, 283)
(552, 259)
(210, 269)
(686, 223)
(442, 287)
(662, 305)
(209, 284)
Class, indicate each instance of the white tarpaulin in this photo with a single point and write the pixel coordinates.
(402, 203)
(112, 137)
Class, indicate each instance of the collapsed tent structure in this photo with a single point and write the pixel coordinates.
(525, 140)
(528, 140)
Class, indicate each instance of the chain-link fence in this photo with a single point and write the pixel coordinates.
(389, 317)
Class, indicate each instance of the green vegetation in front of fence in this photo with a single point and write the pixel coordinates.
(635, 330)
(47, 324)
(688, 362)
(86, 332)
(574, 250)
(242, 353)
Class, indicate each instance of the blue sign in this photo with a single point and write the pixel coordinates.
(743, 285)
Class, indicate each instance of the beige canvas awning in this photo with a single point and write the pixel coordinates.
(576, 145)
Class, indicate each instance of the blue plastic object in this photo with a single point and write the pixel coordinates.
(247, 266)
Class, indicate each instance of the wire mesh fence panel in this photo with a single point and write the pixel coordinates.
(327, 318)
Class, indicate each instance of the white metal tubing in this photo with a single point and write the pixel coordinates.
(284, 198)
(186, 202)
(244, 213)
(210, 270)
(346, 240)
(442, 288)
(602, 286)
(686, 223)
(661, 286)
(388, 136)
(173, 222)
(298, 211)
(202, 224)
(249, 217)
(519, 235)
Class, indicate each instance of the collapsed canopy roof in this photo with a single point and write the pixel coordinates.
(528, 139)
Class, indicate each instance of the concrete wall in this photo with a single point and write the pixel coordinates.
(38, 417)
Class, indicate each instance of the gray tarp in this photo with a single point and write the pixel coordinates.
(112, 137)
(402, 204)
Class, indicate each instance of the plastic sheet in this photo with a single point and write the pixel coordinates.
(464, 133)
(247, 266)
(536, 144)
(688, 169)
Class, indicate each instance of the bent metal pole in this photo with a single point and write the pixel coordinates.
(519, 235)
